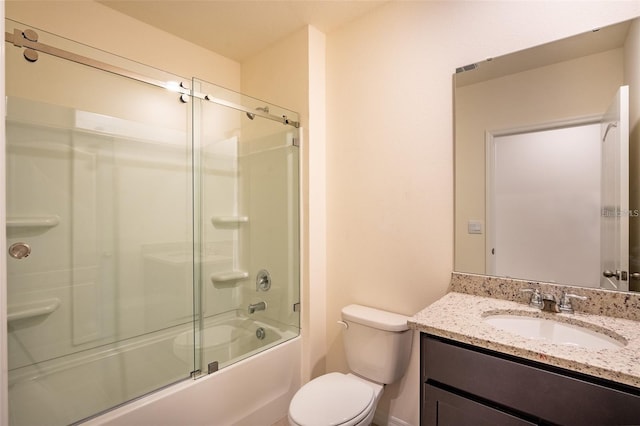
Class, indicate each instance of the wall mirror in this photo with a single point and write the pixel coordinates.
(547, 162)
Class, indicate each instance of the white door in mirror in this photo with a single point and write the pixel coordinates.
(614, 223)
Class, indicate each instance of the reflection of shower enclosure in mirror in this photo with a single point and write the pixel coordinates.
(147, 220)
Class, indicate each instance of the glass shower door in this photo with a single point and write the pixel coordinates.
(248, 160)
(100, 232)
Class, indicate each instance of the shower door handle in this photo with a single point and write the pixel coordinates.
(19, 250)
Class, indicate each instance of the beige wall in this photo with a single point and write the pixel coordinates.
(101, 27)
(390, 148)
(582, 87)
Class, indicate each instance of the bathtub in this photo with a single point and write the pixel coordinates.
(247, 391)
(255, 391)
(228, 338)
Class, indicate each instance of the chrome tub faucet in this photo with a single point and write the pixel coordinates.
(260, 306)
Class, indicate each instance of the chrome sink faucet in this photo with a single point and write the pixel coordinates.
(536, 297)
(549, 302)
(565, 302)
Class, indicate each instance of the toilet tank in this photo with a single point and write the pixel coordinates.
(377, 343)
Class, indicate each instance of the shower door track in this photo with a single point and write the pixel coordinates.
(25, 39)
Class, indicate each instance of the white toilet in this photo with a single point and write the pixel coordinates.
(378, 346)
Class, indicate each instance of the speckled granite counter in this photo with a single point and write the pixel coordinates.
(458, 316)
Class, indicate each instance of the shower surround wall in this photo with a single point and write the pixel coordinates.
(82, 302)
(82, 172)
(250, 208)
(265, 162)
(92, 172)
(103, 189)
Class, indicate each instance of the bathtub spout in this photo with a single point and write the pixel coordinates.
(260, 306)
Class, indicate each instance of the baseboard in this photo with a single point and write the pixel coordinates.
(383, 419)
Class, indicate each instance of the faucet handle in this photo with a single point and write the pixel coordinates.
(536, 297)
(565, 302)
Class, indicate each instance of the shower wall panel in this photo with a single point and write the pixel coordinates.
(269, 194)
(249, 202)
(219, 135)
(100, 187)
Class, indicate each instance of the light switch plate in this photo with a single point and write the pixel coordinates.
(474, 227)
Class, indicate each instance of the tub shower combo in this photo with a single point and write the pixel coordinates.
(152, 228)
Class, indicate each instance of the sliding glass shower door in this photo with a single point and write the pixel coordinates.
(248, 183)
(100, 214)
(152, 225)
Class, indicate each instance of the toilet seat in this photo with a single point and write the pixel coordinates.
(331, 400)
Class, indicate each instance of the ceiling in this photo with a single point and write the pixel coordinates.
(239, 29)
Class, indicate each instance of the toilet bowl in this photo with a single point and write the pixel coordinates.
(335, 399)
(378, 346)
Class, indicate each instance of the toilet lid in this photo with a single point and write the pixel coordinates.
(330, 400)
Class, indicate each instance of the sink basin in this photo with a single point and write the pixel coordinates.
(553, 331)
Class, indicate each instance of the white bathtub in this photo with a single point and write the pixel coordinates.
(229, 338)
(253, 392)
(79, 386)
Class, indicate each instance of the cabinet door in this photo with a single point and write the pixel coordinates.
(442, 408)
(556, 396)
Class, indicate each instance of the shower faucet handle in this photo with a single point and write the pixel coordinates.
(263, 280)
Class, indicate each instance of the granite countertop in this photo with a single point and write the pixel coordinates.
(458, 316)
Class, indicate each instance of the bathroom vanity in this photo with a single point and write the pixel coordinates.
(474, 373)
(466, 385)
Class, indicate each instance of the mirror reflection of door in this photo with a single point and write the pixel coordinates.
(544, 205)
(546, 208)
(615, 194)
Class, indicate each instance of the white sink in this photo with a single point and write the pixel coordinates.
(552, 331)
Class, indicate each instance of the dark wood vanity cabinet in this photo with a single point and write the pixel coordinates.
(465, 385)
